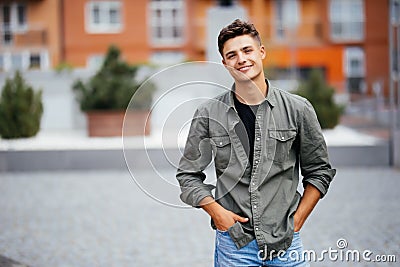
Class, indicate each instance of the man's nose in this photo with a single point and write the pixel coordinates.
(241, 58)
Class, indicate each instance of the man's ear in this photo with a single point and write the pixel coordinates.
(262, 51)
(223, 61)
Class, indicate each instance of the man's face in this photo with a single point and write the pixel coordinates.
(243, 57)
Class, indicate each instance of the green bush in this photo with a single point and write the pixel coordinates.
(320, 95)
(21, 109)
(113, 86)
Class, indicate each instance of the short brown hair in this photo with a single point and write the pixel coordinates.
(236, 28)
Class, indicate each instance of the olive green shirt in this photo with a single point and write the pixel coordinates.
(287, 138)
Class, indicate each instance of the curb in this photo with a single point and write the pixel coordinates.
(108, 159)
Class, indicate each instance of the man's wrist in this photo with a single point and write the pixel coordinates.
(210, 206)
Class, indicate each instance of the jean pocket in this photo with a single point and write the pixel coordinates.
(222, 232)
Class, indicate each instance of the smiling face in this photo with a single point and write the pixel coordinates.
(243, 57)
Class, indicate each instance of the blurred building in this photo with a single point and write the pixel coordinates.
(348, 39)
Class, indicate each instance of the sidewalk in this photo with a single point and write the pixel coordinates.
(102, 218)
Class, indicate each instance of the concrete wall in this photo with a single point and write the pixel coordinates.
(61, 111)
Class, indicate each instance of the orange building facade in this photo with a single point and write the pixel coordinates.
(348, 39)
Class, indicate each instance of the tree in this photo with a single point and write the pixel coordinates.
(21, 109)
(112, 87)
(320, 95)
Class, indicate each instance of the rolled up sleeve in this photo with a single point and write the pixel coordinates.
(314, 162)
(196, 157)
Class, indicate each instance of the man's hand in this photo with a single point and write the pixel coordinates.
(223, 218)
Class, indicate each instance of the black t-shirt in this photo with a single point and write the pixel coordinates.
(247, 114)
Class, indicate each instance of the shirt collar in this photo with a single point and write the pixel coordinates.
(270, 98)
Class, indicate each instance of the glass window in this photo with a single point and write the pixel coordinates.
(355, 62)
(21, 15)
(13, 19)
(34, 61)
(355, 69)
(104, 17)
(347, 19)
(167, 19)
(287, 17)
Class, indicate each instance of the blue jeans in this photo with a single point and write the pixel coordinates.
(227, 255)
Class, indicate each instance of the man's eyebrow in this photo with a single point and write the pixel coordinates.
(246, 47)
(230, 53)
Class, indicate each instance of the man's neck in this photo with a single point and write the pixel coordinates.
(251, 92)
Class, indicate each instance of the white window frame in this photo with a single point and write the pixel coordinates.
(350, 54)
(104, 25)
(163, 27)
(44, 59)
(14, 26)
(349, 16)
(288, 20)
(25, 60)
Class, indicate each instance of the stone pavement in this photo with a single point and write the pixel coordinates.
(102, 218)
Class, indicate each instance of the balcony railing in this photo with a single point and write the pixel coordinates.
(23, 36)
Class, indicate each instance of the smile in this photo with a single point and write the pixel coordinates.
(245, 68)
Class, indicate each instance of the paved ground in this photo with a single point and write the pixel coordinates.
(104, 219)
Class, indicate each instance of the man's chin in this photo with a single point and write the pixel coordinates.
(241, 77)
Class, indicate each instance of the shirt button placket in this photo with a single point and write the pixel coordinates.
(254, 193)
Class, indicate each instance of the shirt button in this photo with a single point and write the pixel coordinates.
(258, 138)
(255, 206)
(259, 117)
(256, 228)
(283, 138)
(256, 161)
(220, 143)
(254, 183)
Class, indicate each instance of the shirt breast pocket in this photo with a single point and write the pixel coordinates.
(222, 151)
(280, 143)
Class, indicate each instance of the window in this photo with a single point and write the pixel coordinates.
(24, 60)
(103, 17)
(21, 15)
(34, 61)
(167, 22)
(287, 17)
(347, 19)
(355, 69)
(13, 19)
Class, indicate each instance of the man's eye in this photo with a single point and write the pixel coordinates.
(248, 50)
(231, 56)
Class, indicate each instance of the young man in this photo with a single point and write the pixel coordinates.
(260, 136)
